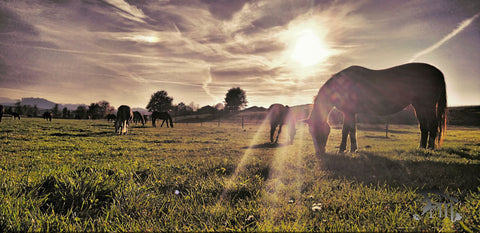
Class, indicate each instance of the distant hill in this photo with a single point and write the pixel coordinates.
(7, 101)
(39, 102)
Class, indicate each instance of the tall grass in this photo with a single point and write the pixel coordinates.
(77, 175)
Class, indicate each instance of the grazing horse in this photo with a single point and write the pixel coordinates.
(279, 115)
(138, 117)
(48, 116)
(111, 117)
(1, 112)
(162, 116)
(124, 116)
(382, 92)
(15, 115)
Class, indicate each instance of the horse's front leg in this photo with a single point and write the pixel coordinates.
(279, 131)
(353, 135)
(343, 143)
(272, 131)
(348, 128)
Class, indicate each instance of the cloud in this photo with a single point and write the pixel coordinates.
(464, 24)
(128, 11)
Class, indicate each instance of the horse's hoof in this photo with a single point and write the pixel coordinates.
(342, 152)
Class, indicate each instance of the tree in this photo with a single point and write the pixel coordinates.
(65, 113)
(81, 112)
(106, 108)
(55, 110)
(160, 102)
(182, 109)
(235, 99)
(95, 111)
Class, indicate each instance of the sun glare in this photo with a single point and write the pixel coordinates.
(309, 48)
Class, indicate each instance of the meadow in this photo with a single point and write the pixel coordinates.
(77, 175)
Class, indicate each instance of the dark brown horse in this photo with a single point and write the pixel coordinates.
(124, 116)
(162, 116)
(15, 115)
(48, 116)
(382, 92)
(111, 117)
(279, 115)
(138, 117)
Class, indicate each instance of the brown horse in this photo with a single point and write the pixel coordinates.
(382, 92)
(124, 116)
(48, 116)
(162, 116)
(111, 117)
(279, 115)
(138, 117)
(15, 115)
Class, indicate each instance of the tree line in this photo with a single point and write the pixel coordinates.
(235, 99)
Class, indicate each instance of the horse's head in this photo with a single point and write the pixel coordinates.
(319, 131)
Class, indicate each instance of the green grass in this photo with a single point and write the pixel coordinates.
(77, 175)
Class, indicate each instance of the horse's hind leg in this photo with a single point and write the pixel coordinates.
(422, 120)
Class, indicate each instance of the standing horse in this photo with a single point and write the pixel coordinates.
(162, 116)
(124, 116)
(138, 117)
(15, 115)
(279, 115)
(111, 117)
(48, 116)
(1, 112)
(382, 92)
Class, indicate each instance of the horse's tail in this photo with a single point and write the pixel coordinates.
(442, 114)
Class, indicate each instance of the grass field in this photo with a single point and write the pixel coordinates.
(77, 175)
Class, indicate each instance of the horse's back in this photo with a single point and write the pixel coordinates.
(124, 113)
(275, 113)
(361, 90)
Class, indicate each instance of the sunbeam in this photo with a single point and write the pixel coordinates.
(258, 137)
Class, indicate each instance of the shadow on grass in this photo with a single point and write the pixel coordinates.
(89, 134)
(370, 168)
(265, 145)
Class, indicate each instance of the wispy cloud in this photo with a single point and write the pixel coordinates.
(128, 11)
(464, 24)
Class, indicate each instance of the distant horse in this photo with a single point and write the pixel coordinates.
(138, 117)
(48, 116)
(124, 116)
(111, 117)
(162, 116)
(382, 92)
(279, 115)
(1, 112)
(15, 115)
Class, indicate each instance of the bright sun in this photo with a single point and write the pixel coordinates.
(309, 49)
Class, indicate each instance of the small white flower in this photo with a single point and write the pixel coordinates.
(316, 207)
(177, 192)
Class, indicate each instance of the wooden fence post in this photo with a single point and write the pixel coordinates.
(386, 129)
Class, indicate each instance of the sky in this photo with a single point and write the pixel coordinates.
(278, 51)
